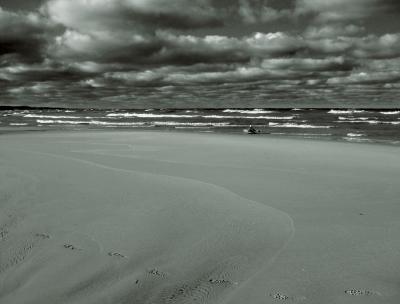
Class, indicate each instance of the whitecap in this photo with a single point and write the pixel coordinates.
(354, 119)
(254, 111)
(345, 111)
(354, 135)
(146, 115)
(292, 125)
(51, 116)
(249, 117)
(90, 122)
(390, 113)
(195, 124)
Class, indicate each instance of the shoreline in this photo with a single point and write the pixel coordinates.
(338, 125)
(300, 137)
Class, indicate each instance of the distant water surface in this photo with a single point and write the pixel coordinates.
(374, 126)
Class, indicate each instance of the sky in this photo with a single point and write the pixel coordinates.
(200, 53)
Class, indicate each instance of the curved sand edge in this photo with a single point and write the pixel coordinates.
(90, 233)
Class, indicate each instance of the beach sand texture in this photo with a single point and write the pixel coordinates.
(147, 217)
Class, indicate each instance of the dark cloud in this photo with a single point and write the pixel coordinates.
(336, 10)
(345, 10)
(23, 35)
(259, 11)
(144, 15)
(367, 78)
(21, 5)
(122, 50)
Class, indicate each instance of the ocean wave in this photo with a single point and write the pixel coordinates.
(18, 124)
(354, 135)
(90, 122)
(194, 124)
(354, 119)
(390, 113)
(146, 115)
(371, 122)
(255, 111)
(345, 111)
(249, 117)
(292, 125)
(356, 139)
(52, 116)
(152, 123)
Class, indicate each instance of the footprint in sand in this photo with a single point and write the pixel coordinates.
(71, 247)
(221, 282)
(201, 291)
(3, 233)
(156, 272)
(361, 292)
(283, 297)
(280, 296)
(207, 287)
(116, 254)
(42, 236)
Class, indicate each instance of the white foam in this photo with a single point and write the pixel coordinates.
(146, 115)
(51, 116)
(255, 111)
(371, 122)
(194, 124)
(345, 111)
(356, 139)
(354, 135)
(18, 124)
(292, 125)
(354, 119)
(391, 113)
(249, 117)
(90, 122)
(153, 123)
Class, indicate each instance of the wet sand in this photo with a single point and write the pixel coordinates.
(147, 217)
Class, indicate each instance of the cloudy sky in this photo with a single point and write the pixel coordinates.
(200, 53)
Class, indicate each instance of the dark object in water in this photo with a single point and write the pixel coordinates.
(252, 130)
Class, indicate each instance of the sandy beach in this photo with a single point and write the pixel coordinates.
(164, 217)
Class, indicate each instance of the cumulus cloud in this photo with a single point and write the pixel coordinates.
(254, 11)
(367, 78)
(173, 76)
(309, 64)
(337, 10)
(345, 10)
(333, 31)
(124, 14)
(134, 47)
(23, 35)
(372, 46)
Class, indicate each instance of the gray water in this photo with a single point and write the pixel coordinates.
(368, 125)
